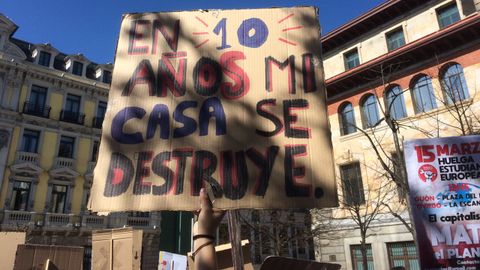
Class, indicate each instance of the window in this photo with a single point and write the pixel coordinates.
(352, 184)
(102, 108)
(107, 76)
(30, 141)
(77, 68)
(403, 254)
(300, 245)
(395, 39)
(423, 97)
(58, 199)
(72, 103)
(44, 59)
(370, 115)
(395, 103)
(351, 59)
(98, 120)
(36, 103)
(94, 151)
(66, 147)
(448, 15)
(20, 195)
(454, 85)
(37, 100)
(356, 253)
(71, 112)
(347, 119)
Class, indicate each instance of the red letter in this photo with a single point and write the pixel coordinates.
(169, 78)
(172, 40)
(143, 74)
(136, 35)
(140, 186)
(290, 62)
(236, 73)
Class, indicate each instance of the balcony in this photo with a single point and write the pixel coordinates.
(64, 162)
(36, 109)
(97, 122)
(59, 220)
(72, 117)
(16, 219)
(26, 157)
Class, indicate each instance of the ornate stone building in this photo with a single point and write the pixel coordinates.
(51, 111)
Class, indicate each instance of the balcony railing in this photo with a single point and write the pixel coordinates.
(72, 117)
(64, 162)
(18, 218)
(97, 122)
(138, 221)
(36, 109)
(58, 220)
(22, 157)
(92, 221)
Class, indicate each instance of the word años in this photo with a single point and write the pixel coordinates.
(232, 167)
(208, 79)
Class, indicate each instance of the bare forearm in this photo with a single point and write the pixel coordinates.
(205, 258)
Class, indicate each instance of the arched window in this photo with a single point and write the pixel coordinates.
(347, 119)
(423, 97)
(369, 111)
(453, 84)
(395, 103)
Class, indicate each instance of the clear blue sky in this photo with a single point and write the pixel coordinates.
(91, 27)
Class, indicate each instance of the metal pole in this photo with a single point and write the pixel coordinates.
(235, 240)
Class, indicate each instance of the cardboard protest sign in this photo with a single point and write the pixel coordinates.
(232, 99)
(444, 180)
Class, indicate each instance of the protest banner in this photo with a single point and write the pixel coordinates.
(444, 180)
(231, 99)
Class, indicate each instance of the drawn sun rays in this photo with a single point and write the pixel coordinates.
(201, 33)
(288, 29)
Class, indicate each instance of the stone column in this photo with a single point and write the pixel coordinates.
(8, 198)
(68, 199)
(31, 195)
(47, 199)
(12, 90)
